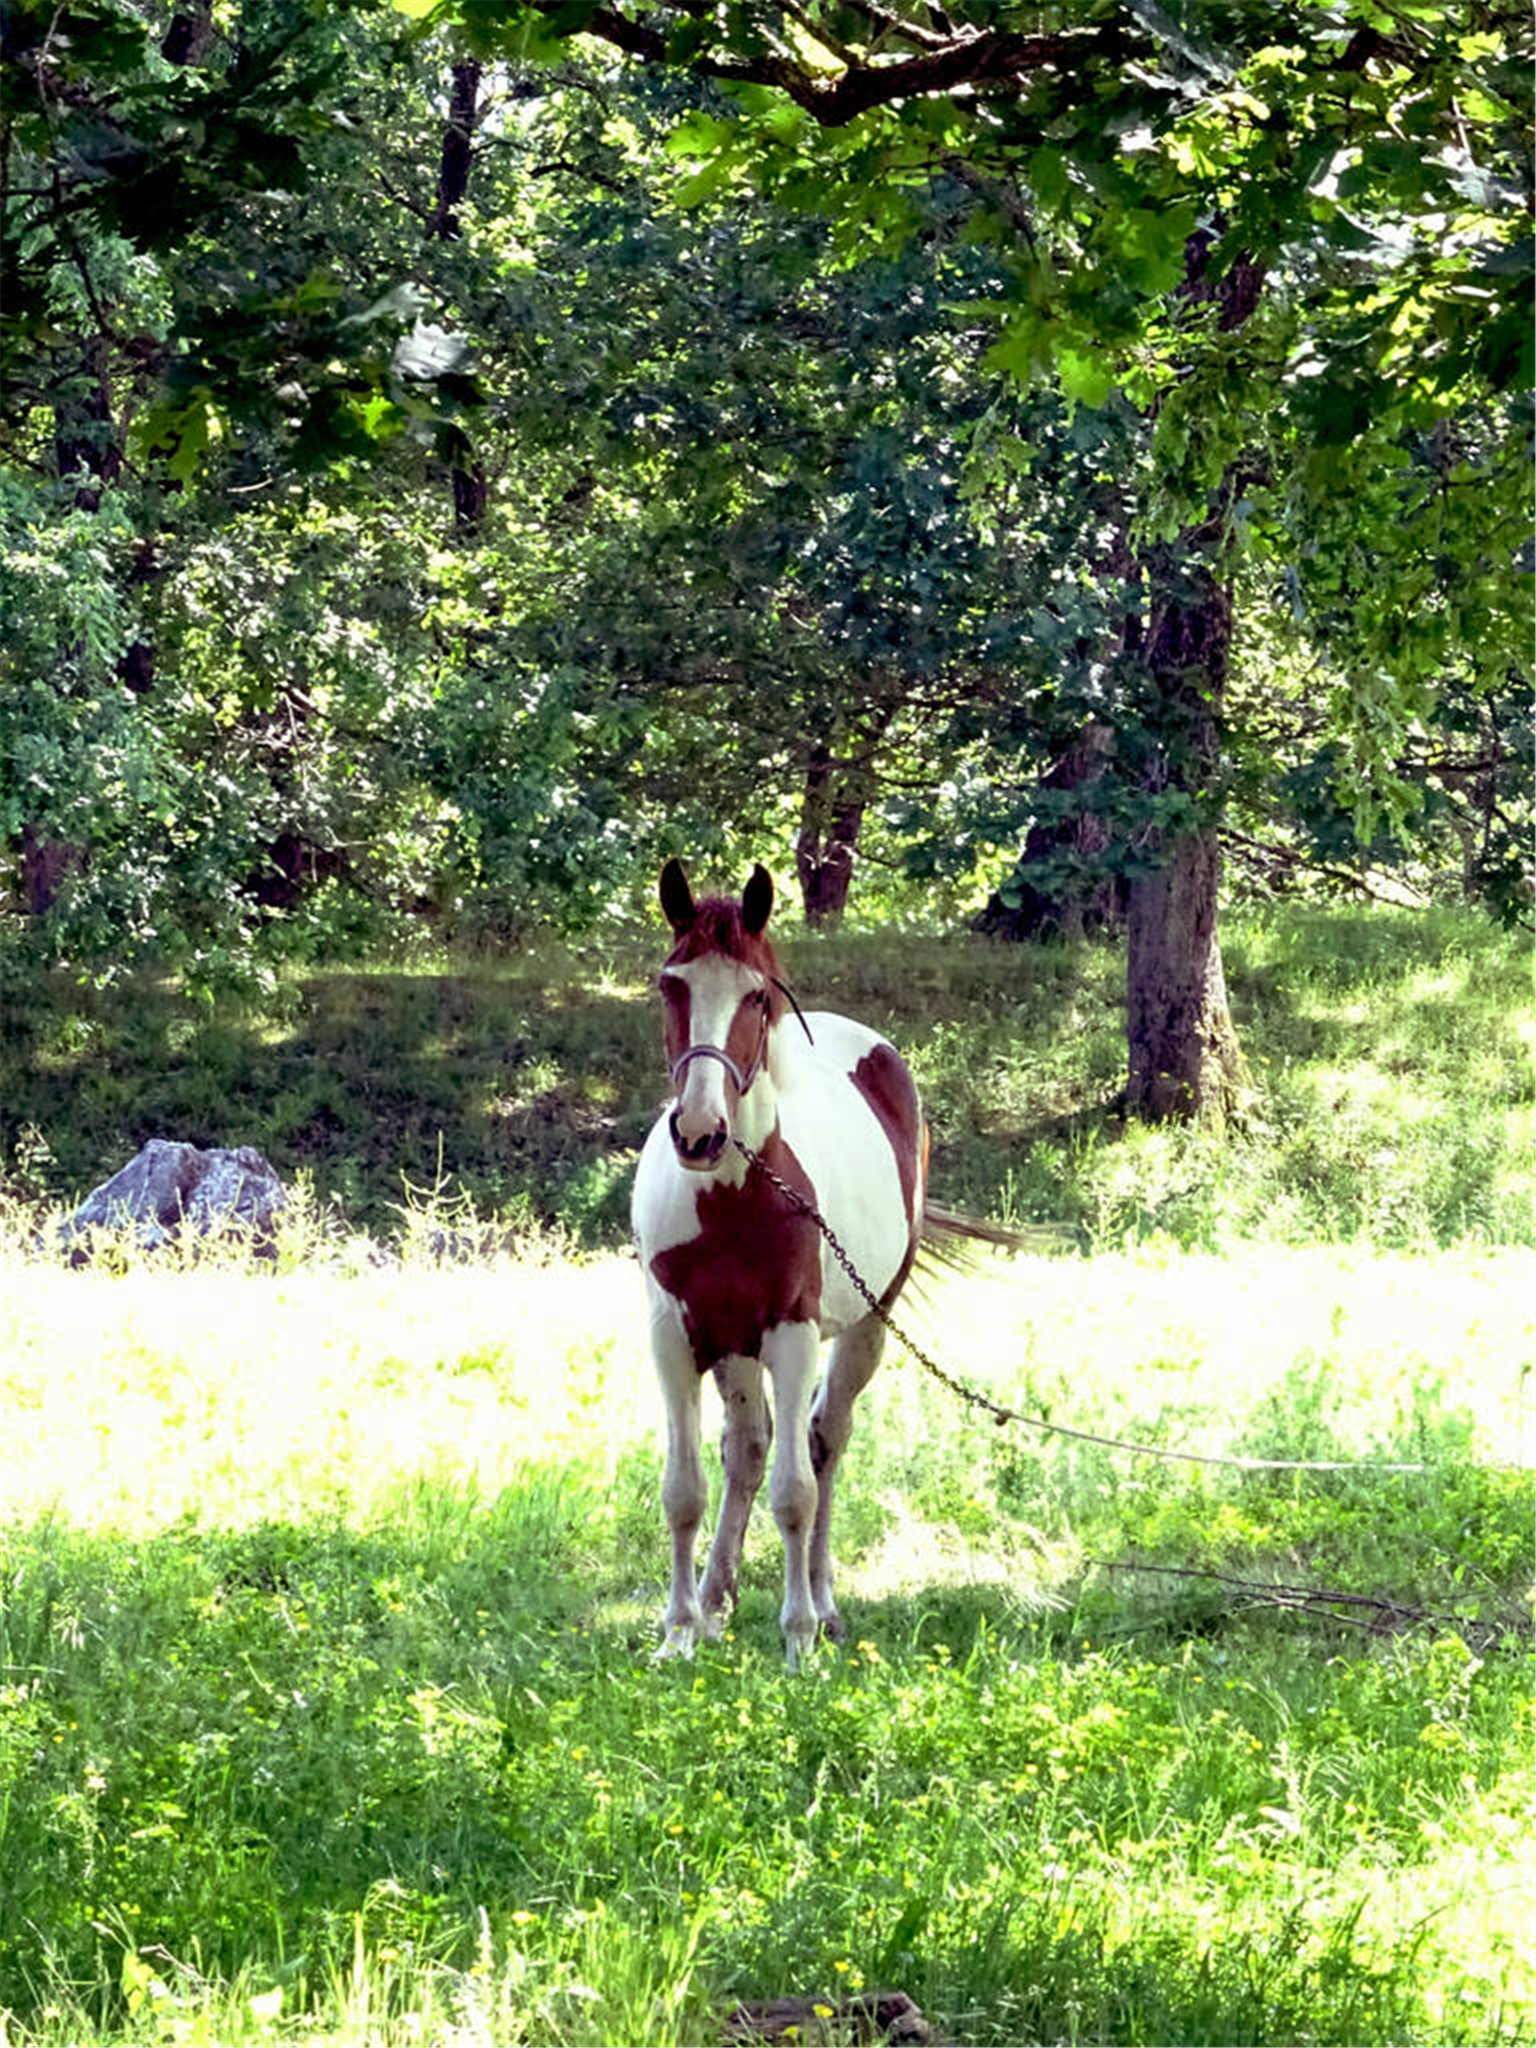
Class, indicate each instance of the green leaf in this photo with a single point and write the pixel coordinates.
(1085, 377)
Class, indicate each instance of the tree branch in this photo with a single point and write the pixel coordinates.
(992, 57)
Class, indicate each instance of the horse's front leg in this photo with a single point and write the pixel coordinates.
(744, 1454)
(790, 1352)
(682, 1491)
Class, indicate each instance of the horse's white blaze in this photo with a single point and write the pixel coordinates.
(716, 989)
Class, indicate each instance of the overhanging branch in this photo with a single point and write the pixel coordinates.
(941, 62)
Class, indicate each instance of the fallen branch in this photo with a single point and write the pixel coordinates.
(1382, 1613)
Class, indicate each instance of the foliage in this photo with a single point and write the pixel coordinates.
(762, 487)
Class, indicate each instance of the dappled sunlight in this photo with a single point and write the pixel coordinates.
(1139, 1340)
(915, 1557)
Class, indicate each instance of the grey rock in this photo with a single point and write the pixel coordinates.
(170, 1188)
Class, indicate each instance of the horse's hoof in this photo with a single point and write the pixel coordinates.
(799, 1648)
(678, 1641)
(714, 1624)
(833, 1627)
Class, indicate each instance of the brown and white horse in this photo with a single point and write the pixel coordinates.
(740, 1280)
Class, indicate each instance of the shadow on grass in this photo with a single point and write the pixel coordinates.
(525, 1092)
(531, 1083)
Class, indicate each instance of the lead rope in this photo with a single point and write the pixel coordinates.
(995, 1409)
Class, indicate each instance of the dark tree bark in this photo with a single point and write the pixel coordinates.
(1184, 1056)
(46, 865)
(292, 865)
(191, 31)
(1054, 908)
(467, 474)
(830, 817)
(457, 152)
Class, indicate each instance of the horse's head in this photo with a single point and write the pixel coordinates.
(723, 997)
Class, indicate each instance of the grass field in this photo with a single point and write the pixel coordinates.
(326, 1713)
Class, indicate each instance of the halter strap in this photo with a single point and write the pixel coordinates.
(715, 1052)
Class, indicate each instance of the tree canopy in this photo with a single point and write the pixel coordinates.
(454, 454)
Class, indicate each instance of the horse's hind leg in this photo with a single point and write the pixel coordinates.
(854, 1358)
(744, 1454)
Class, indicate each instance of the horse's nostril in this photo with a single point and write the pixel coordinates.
(700, 1151)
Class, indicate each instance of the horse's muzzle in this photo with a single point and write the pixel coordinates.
(697, 1154)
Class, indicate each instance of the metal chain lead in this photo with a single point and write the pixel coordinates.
(995, 1409)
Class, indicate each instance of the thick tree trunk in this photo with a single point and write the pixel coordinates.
(1060, 889)
(1184, 1058)
(1183, 1052)
(830, 817)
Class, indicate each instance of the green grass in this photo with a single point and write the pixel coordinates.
(327, 1587)
(328, 1714)
(1391, 1057)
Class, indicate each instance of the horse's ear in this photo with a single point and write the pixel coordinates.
(757, 900)
(676, 897)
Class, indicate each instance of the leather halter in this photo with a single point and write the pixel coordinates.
(716, 1052)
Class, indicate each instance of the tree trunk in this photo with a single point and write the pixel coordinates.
(1060, 889)
(467, 473)
(46, 865)
(1184, 1055)
(457, 152)
(1184, 1058)
(830, 817)
(191, 31)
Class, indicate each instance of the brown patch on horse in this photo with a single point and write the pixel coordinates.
(882, 1079)
(755, 1262)
(677, 1000)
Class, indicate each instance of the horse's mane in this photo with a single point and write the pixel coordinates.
(718, 927)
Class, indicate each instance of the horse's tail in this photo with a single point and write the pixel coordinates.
(949, 1236)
